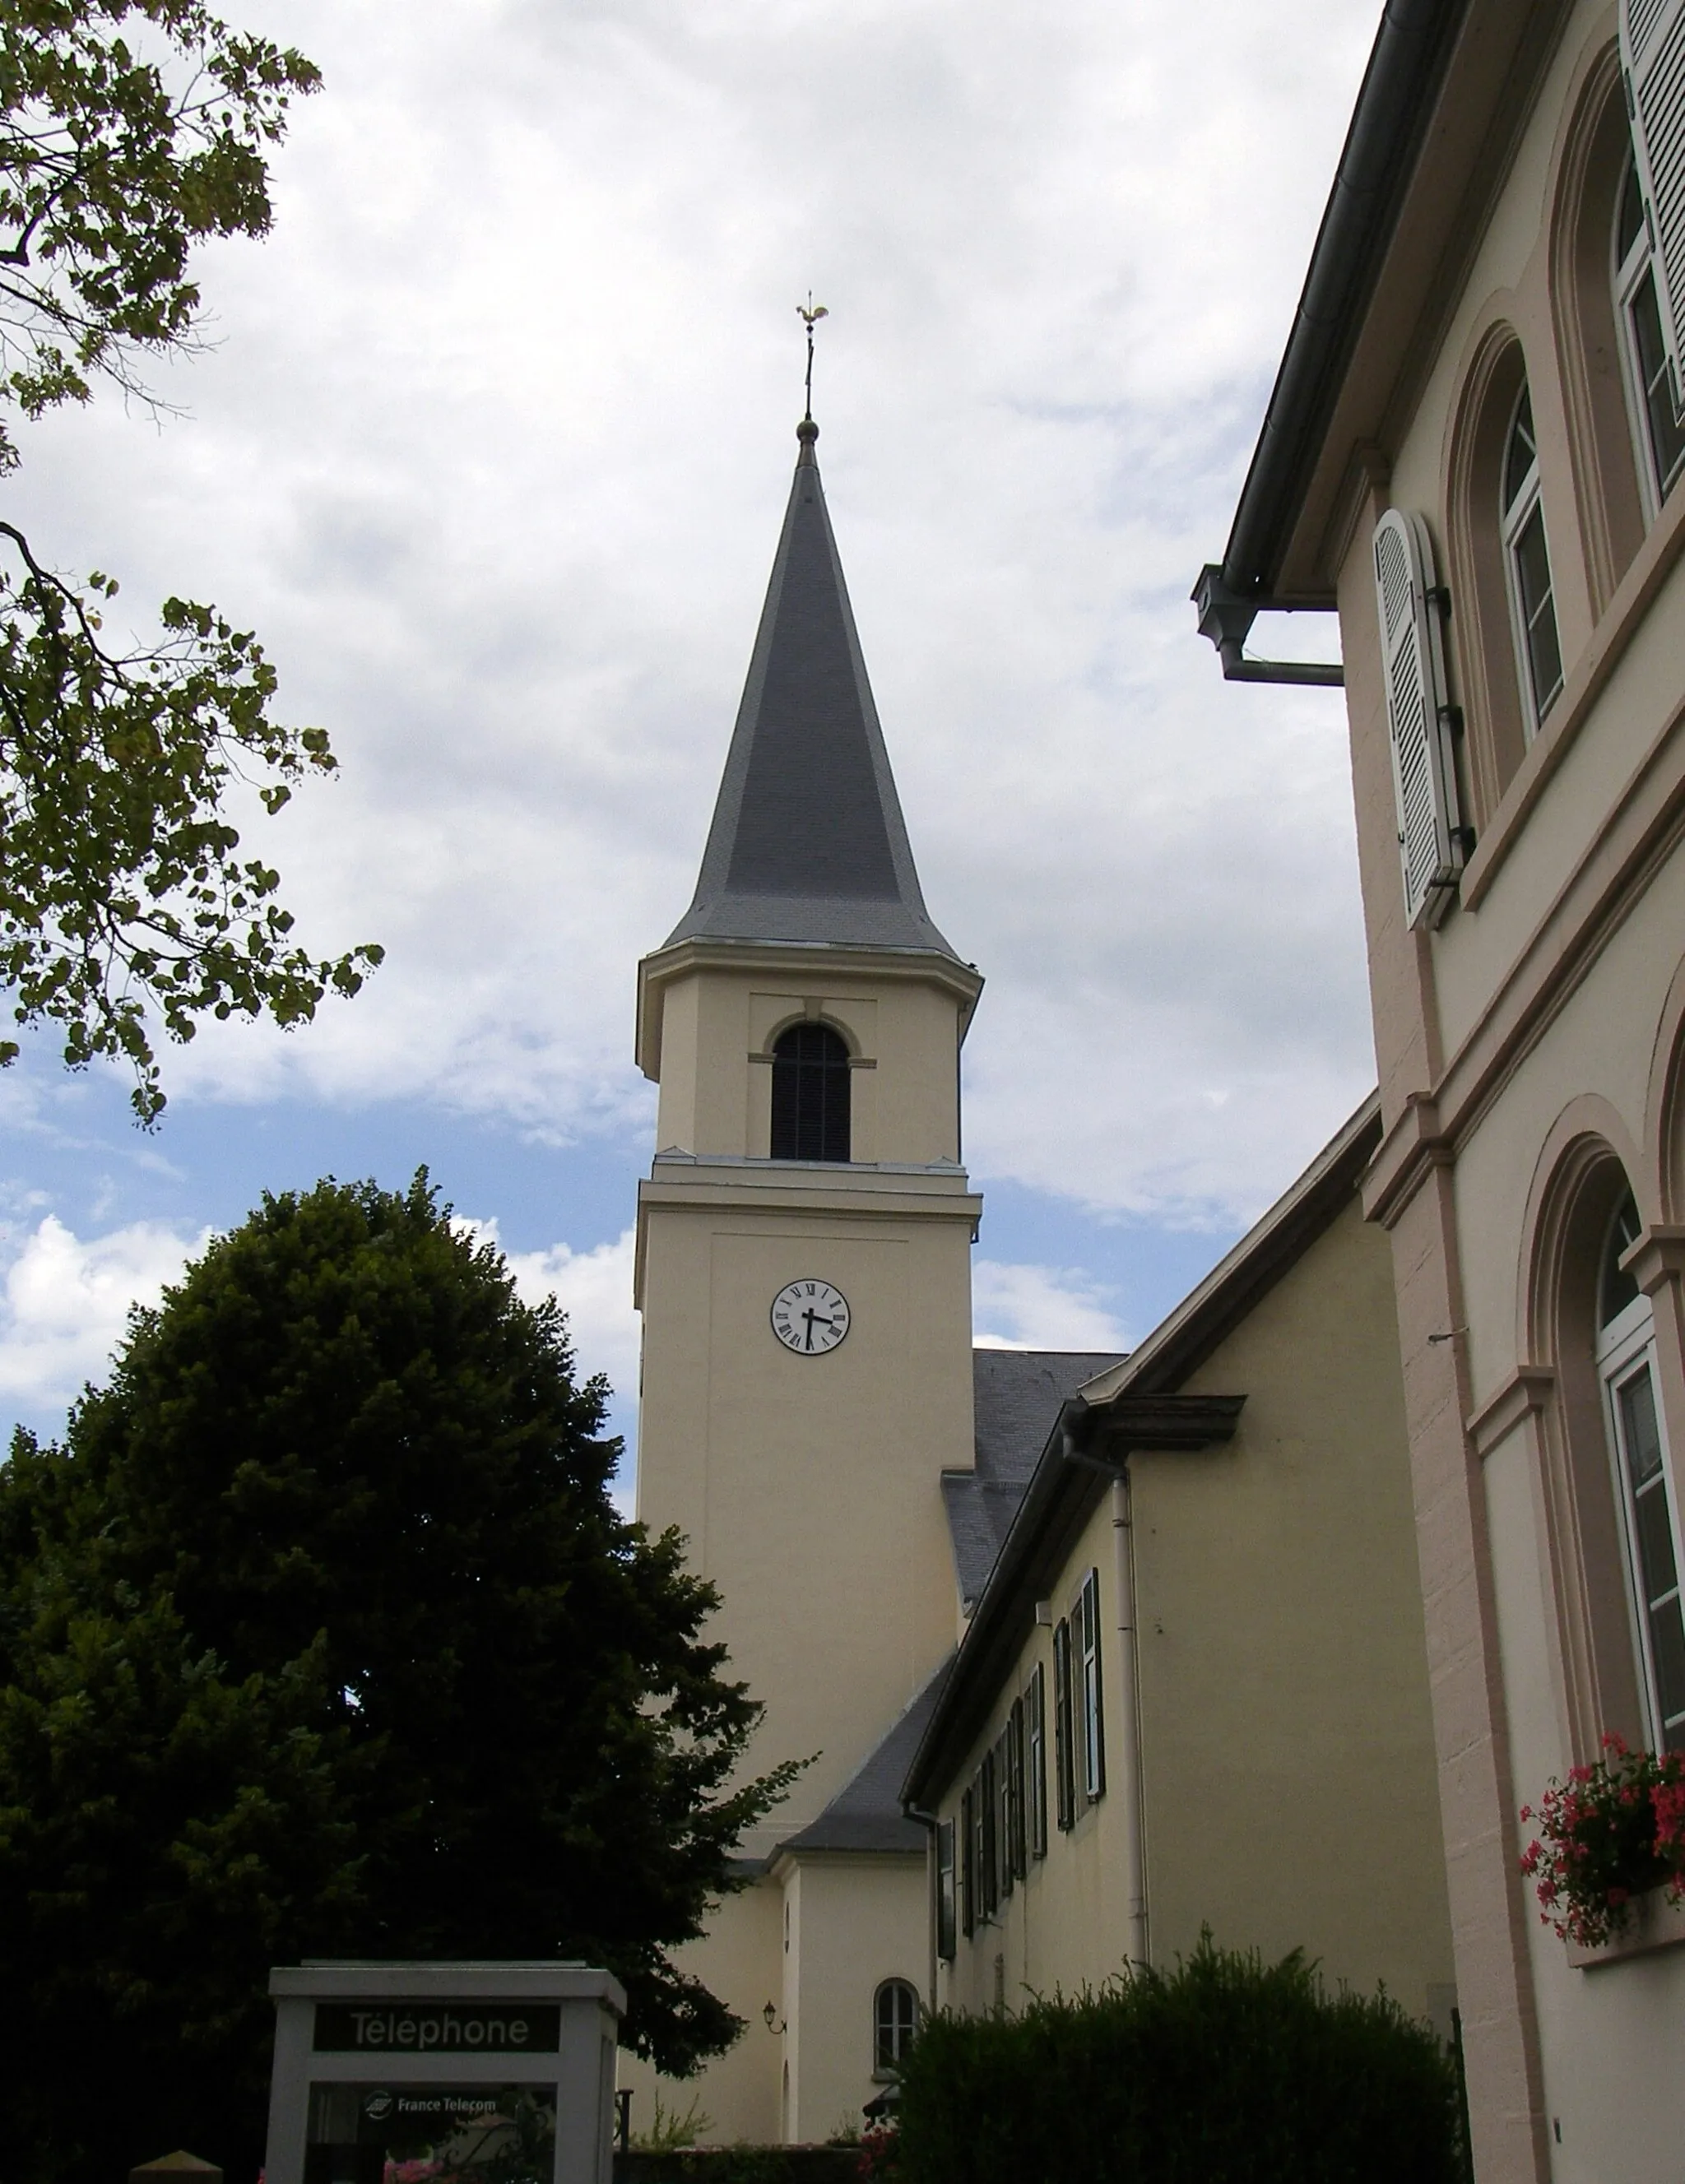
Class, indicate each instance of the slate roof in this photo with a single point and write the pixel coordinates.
(807, 841)
(1017, 1394)
(866, 1814)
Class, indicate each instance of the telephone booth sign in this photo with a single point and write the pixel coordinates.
(482, 2073)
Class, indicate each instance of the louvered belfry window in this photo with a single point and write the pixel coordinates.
(1419, 718)
(1653, 65)
(810, 1094)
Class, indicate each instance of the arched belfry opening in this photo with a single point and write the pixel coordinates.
(810, 1094)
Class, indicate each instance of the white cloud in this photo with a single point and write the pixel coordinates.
(66, 1303)
(1027, 1307)
(594, 1290)
(492, 452)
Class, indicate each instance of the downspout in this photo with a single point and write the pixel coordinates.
(1395, 103)
(930, 1822)
(1226, 617)
(1129, 1719)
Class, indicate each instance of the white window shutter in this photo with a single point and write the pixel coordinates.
(1424, 775)
(1653, 65)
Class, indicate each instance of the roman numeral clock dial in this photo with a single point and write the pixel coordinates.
(809, 1317)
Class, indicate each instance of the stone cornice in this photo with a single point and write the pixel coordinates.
(796, 964)
(1657, 1257)
(1528, 1389)
(766, 1191)
(1407, 1153)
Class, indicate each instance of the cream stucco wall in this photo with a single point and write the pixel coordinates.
(854, 1922)
(807, 1488)
(1287, 1743)
(1286, 1747)
(738, 2096)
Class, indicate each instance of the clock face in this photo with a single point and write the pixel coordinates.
(809, 1317)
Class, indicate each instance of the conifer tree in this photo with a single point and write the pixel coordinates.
(323, 1636)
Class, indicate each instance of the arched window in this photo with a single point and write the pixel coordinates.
(1657, 428)
(1526, 568)
(810, 1094)
(1626, 1360)
(895, 2019)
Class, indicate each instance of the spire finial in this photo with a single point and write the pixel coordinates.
(810, 315)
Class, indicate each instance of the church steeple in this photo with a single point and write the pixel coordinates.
(804, 1024)
(807, 841)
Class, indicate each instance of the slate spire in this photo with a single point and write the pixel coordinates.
(807, 841)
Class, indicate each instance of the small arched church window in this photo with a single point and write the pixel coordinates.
(810, 1094)
(894, 2018)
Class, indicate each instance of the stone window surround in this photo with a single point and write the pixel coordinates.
(1531, 1398)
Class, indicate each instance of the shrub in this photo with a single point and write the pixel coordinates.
(1225, 2071)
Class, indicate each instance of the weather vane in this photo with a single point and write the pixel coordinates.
(810, 315)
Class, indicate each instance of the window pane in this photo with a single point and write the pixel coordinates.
(894, 2020)
(1522, 452)
(1655, 1577)
(1630, 220)
(1538, 612)
(1533, 566)
(1088, 1625)
(1015, 1743)
(1617, 1289)
(1667, 1645)
(988, 1868)
(1667, 430)
(1065, 1770)
(1038, 1764)
(1656, 1543)
(1638, 1428)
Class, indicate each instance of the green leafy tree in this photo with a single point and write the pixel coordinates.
(131, 130)
(341, 1517)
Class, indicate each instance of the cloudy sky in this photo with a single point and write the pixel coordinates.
(492, 447)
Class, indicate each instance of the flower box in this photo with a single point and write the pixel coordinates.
(1610, 1841)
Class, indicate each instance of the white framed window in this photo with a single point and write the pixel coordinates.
(895, 2019)
(1035, 1762)
(969, 1919)
(1005, 1865)
(1018, 1857)
(1527, 569)
(1090, 1726)
(1064, 1763)
(1658, 430)
(947, 1908)
(1643, 1484)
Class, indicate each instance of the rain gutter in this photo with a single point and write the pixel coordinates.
(1389, 124)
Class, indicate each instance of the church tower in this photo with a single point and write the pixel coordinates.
(803, 1272)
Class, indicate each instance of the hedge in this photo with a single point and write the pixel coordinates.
(1225, 2071)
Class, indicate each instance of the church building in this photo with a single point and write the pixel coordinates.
(880, 1506)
